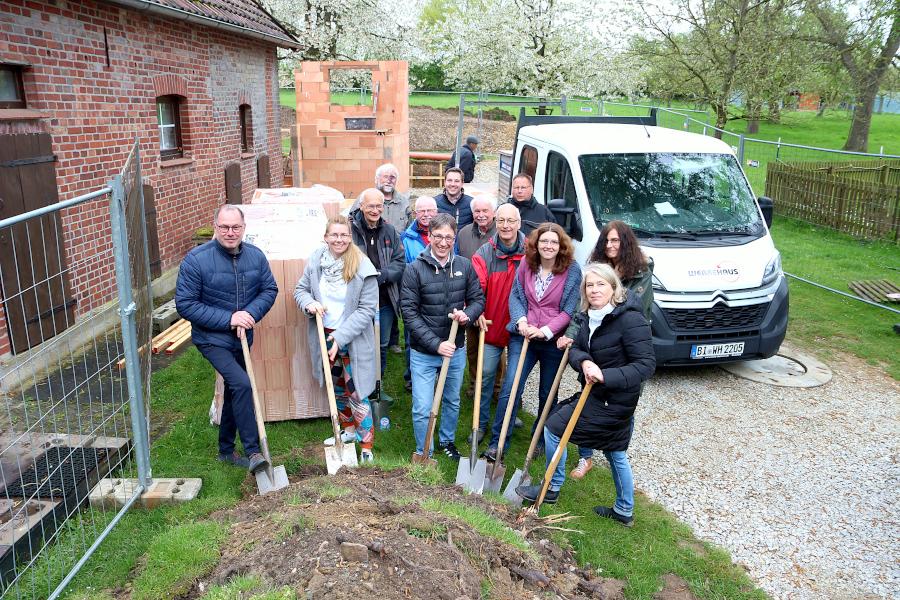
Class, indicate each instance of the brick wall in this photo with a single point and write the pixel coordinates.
(96, 107)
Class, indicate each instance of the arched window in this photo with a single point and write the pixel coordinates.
(168, 118)
(246, 119)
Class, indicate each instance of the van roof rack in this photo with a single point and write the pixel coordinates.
(525, 120)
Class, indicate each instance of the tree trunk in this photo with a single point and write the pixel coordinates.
(858, 138)
(775, 111)
(754, 107)
(822, 105)
(721, 118)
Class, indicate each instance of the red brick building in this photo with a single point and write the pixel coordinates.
(194, 81)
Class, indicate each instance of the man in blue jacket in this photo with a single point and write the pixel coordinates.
(224, 288)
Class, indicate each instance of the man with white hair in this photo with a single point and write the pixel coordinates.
(396, 203)
(471, 237)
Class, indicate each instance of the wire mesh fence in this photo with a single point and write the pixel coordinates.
(68, 417)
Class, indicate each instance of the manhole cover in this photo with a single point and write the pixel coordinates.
(788, 368)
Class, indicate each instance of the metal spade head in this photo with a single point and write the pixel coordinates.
(343, 455)
(271, 479)
(518, 478)
(493, 480)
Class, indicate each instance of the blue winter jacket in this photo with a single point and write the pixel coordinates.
(214, 284)
(412, 241)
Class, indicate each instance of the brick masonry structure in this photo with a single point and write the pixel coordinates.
(92, 72)
(346, 160)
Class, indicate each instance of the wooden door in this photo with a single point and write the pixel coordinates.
(37, 298)
(152, 231)
(233, 183)
(263, 177)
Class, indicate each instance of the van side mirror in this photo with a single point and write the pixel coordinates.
(567, 217)
(767, 207)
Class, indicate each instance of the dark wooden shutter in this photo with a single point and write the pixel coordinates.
(233, 183)
(263, 178)
(152, 231)
(37, 296)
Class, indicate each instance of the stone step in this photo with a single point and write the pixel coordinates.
(113, 493)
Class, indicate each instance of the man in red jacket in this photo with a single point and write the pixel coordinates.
(495, 263)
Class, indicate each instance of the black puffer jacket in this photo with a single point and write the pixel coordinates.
(532, 213)
(429, 293)
(623, 349)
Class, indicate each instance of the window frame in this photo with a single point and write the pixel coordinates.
(245, 120)
(175, 102)
(17, 72)
(527, 166)
(568, 185)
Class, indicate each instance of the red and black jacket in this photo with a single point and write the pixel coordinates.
(496, 272)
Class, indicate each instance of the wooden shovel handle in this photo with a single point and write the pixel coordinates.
(479, 369)
(548, 404)
(257, 409)
(439, 390)
(562, 443)
(329, 386)
(510, 403)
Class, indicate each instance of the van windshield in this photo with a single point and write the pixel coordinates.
(659, 193)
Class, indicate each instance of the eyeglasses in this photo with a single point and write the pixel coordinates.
(613, 241)
(548, 242)
(426, 211)
(374, 206)
(507, 221)
(445, 239)
(339, 236)
(389, 177)
(227, 228)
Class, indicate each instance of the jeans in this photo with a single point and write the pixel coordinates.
(425, 369)
(551, 443)
(544, 352)
(406, 372)
(587, 453)
(237, 402)
(623, 480)
(492, 356)
(386, 321)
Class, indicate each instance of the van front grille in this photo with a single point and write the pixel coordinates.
(719, 316)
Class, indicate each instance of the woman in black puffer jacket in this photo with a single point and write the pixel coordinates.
(614, 350)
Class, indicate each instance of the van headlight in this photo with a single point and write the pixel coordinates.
(773, 269)
(657, 284)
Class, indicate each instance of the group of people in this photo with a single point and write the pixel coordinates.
(509, 271)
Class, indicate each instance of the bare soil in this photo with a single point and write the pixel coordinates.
(434, 130)
(366, 533)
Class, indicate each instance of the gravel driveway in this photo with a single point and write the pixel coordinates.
(799, 485)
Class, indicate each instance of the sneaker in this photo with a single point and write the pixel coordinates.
(257, 463)
(396, 349)
(366, 456)
(490, 454)
(347, 436)
(407, 385)
(584, 465)
(235, 459)
(481, 433)
(531, 492)
(518, 423)
(450, 450)
(608, 513)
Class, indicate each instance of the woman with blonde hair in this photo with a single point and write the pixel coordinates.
(614, 351)
(341, 284)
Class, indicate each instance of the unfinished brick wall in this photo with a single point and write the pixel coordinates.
(346, 160)
(95, 107)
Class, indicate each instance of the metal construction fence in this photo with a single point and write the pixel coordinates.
(75, 386)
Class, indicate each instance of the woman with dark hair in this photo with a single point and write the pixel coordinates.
(544, 297)
(617, 247)
(341, 284)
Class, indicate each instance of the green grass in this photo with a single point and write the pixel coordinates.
(826, 323)
(479, 520)
(249, 587)
(176, 558)
(657, 544)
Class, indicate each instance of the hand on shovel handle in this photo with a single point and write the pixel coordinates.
(562, 443)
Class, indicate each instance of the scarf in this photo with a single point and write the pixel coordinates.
(332, 268)
(595, 317)
(508, 250)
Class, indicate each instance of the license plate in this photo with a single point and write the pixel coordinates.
(717, 350)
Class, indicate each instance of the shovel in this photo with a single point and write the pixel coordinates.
(435, 405)
(471, 470)
(341, 454)
(494, 481)
(271, 478)
(562, 446)
(522, 476)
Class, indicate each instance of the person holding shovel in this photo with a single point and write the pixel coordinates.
(208, 295)
(341, 284)
(544, 297)
(612, 350)
(438, 286)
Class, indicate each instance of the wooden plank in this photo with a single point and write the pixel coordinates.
(233, 183)
(162, 341)
(178, 342)
(152, 231)
(263, 176)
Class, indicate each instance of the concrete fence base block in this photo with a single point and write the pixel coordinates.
(113, 493)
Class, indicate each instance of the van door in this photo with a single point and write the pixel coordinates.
(560, 185)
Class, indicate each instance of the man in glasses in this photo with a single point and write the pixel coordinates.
(396, 203)
(438, 286)
(224, 288)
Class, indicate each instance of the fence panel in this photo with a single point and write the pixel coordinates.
(69, 402)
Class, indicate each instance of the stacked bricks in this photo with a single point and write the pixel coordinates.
(346, 160)
(95, 107)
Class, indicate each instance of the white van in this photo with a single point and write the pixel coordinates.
(719, 291)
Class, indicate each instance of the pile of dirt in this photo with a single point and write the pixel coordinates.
(380, 534)
(434, 130)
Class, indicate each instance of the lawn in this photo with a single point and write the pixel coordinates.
(826, 323)
(158, 553)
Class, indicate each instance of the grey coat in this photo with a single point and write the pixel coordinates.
(357, 327)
